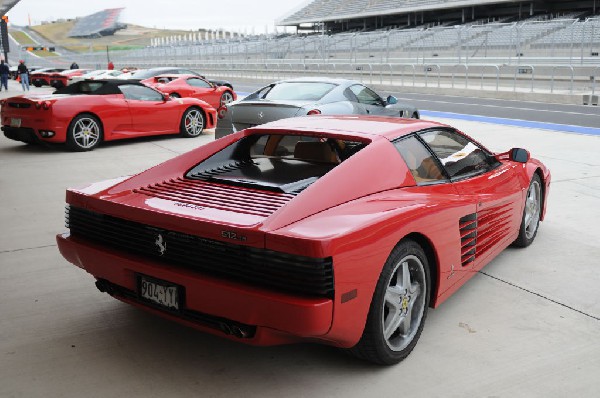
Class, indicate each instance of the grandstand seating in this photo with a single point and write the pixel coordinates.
(102, 23)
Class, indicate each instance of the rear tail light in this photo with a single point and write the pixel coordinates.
(314, 112)
(221, 111)
(44, 104)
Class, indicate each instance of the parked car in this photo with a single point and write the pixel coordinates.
(98, 74)
(85, 113)
(144, 74)
(178, 86)
(308, 96)
(41, 77)
(341, 230)
(61, 79)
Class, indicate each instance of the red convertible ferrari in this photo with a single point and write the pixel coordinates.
(86, 113)
(178, 86)
(339, 230)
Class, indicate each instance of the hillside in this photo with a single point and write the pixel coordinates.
(133, 36)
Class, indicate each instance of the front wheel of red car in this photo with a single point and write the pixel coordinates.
(84, 133)
(192, 123)
(531, 213)
(399, 307)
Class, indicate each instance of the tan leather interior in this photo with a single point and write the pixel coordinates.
(315, 151)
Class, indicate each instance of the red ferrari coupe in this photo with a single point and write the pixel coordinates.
(61, 79)
(178, 86)
(86, 113)
(339, 230)
(41, 77)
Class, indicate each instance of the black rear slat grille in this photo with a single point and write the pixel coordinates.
(244, 264)
(23, 105)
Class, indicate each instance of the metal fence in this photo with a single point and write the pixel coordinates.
(556, 56)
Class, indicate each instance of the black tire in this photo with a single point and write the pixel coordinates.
(530, 221)
(174, 95)
(192, 123)
(226, 98)
(415, 115)
(406, 266)
(84, 133)
(37, 84)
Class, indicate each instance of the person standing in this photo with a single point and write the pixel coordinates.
(74, 65)
(111, 66)
(23, 75)
(4, 71)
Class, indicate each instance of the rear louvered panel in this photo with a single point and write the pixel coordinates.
(494, 225)
(218, 196)
(224, 168)
(260, 267)
(468, 238)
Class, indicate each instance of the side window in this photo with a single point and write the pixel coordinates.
(198, 83)
(140, 93)
(365, 95)
(460, 156)
(419, 160)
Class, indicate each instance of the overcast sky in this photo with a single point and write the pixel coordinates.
(175, 14)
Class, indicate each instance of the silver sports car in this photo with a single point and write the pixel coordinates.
(307, 96)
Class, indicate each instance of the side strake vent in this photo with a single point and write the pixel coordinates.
(218, 196)
(493, 226)
(468, 238)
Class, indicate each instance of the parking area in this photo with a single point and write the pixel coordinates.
(528, 325)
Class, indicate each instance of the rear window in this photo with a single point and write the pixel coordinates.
(291, 91)
(276, 162)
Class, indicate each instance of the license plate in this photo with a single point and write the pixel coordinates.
(159, 292)
(15, 122)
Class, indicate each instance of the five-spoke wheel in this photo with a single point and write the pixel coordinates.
(192, 123)
(226, 98)
(399, 307)
(85, 133)
(531, 213)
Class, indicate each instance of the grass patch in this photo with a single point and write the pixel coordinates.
(44, 54)
(22, 38)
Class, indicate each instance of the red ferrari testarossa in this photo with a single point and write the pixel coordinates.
(85, 113)
(339, 230)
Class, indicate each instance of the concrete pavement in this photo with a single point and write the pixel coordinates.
(527, 326)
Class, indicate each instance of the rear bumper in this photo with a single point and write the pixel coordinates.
(210, 304)
(23, 134)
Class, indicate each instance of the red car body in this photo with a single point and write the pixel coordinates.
(41, 77)
(61, 79)
(192, 86)
(49, 118)
(270, 267)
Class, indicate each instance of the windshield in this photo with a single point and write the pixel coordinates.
(306, 91)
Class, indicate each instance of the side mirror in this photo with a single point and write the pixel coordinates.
(391, 100)
(519, 155)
